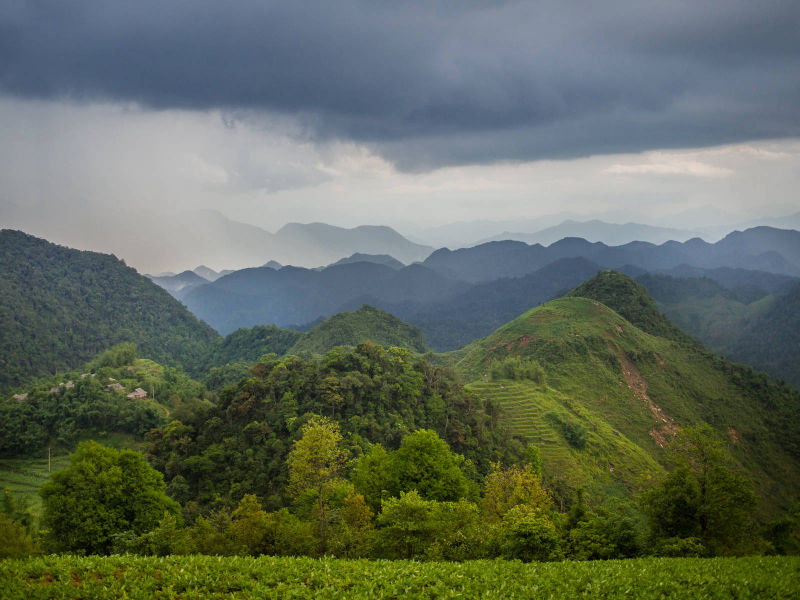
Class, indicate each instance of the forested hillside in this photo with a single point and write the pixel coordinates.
(367, 324)
(753, 323)
(375, 395)
(60, 307)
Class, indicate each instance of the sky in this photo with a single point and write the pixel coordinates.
(410, 114)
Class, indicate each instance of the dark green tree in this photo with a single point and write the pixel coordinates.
(425, 463)
(704, 496)
(103, 493)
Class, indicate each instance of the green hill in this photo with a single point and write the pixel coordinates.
(629, 299)
(59, 307)
(612, 395)
(365, 324)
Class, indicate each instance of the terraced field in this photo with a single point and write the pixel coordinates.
(24, 477)
(525, 406)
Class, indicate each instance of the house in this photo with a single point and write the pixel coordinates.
(21, 397)
(115, 387)
(137, 394)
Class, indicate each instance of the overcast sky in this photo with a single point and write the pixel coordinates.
(402, 113)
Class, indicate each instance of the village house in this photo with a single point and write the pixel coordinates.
(137, 394)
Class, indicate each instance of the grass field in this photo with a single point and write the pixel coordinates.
(267, 577)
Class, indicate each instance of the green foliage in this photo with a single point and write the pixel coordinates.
(60, 307)
(353, 328)
(506, 488)
(573, 431)
(784, 533)
(612, 531)
(315, 463)
(102, 493)
(208, 577)
(15, 540)
(380, 396)
(424, 463)
(118, 356)
(703, 497)
(248, 345)
(62, 417)
(59, 413)
(514, 367)
(529, 535)
(412, 527)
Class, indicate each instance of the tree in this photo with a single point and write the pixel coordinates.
(527, 534)
(315, 463)
(103, 492)
(703, 497)
(507, 488)
(425, 463)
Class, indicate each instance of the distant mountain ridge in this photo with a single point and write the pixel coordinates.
(760, 248)
(612, 234)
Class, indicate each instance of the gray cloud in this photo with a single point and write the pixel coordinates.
(431, 83)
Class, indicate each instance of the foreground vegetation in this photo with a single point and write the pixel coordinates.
(266, 577)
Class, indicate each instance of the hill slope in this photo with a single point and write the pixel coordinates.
(365, 324)
(614, 395)
(60, 307)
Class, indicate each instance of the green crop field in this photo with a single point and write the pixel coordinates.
(267, 577)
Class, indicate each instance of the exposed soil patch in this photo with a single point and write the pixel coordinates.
(510, 345)
(734, 434)
(523, 341)
(618, 327)
(665, 425)
(659, 360)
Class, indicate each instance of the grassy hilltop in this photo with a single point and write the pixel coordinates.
(611, 395)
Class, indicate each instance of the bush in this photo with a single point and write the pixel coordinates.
(529, 535)
(676, 547)
(514, 367)
(14, 539)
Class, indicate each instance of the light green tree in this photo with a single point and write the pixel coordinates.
(315, 465)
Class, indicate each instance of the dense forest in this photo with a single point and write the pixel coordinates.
(61, 307)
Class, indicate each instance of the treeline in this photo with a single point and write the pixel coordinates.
(415, 502)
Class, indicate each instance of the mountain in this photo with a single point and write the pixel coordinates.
(210, 274)
(612, 234)
(367, 324)
(59, 307)
(319, 243)
(455, 321)
(182, 282)
(604, 396)
(378, 259)
(747, 323)
(155, 243)
(292, 295)
(733, 279)
(770, 341)
(762, 248)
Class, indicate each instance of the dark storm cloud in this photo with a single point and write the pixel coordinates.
(432, 83)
